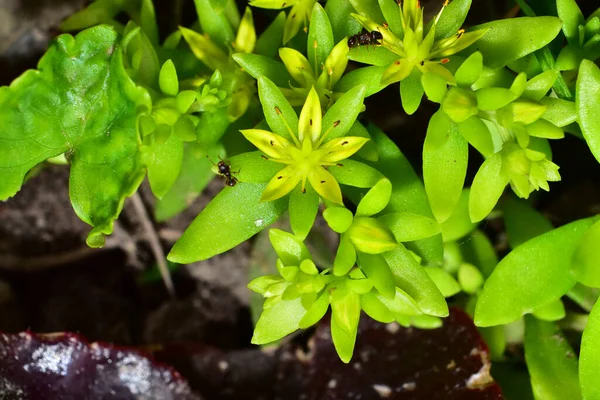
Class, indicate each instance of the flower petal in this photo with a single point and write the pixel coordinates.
(325, 184)
(397, 71)
(342, 148)
(282, 183)
(297, 65)
(309, 123)
(269, 143)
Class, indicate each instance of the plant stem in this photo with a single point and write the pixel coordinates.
(154, 242)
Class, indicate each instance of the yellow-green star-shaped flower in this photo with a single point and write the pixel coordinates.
(415, 46)
(307, 156)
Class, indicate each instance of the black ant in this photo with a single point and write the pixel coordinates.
(224, 169)
(365, 39)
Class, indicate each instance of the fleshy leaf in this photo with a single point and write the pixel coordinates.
(590, 356)
(588, 104)
(412, 278)
(279, 320)
(375, 200)
(509, 39)
(377, 270)
(408, 193)
(445, 282)
(167, 79)
(344, 112)
(345, 257)
(371, 236)
(339, 219)
(571, 17)
(551, 362)
(290, 249)
(320, 37)
(48, 112)
(234, 215)
(344, 339)
(274, 103)
(522, 221)
(213, 23)
(554, 311)
(411, 92)
(452, 18)
(303, 210)
(542, 266)
(488, 185)
(164, 162)
(459, 224)
(407, 227)
(445, 157)
(585, 266)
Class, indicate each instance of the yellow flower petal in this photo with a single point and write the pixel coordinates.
(269, 143)
(342, 148)
(325, 184)
(297, 65)
(397, 71)
(334, 65)
(309, 123)
(282, 183)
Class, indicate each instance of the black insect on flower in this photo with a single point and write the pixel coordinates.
(365, 39)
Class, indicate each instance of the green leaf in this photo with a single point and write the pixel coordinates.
(99, 12)
(375, 309)
(320, 37)
(408, 193)
(553, 311)
(445, 282)
(194, 177)
(412, 278)
(411, 92)
(445, 158)
(214, 23)
(435, 87)
(537, 87)
(558, 111)
(91, 118)
(488, 185)
(453, 17)
(371, 236)
(342, 25)
(369, 9)
(271, 39)
(542, 267)
(585, 267)
(167, 80)
(368, 76)
(234, 215)
(551, 362)
(510, 39)
(290, 249)
(339, 219)
(272, 100)
(345, 257)
(345, 110)
(303, 210)
(377, 270)
(522, 221)
(588, 104)
(391, 12)
(344, 340)
(401, 304)
(164, 162)
(316, 311)
(357, 174)
(470, 278)
(490, 99)
(571, 17)
(148, 21)
(407, 227)
(256, 66)
(376, 199)
(459, 224)
(590, 356)
(478, 250)
(378, 56)
(251, 167)
(279, 320)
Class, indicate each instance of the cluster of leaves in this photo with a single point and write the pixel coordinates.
(119, 104)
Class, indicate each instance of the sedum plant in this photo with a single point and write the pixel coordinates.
(282, 109)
